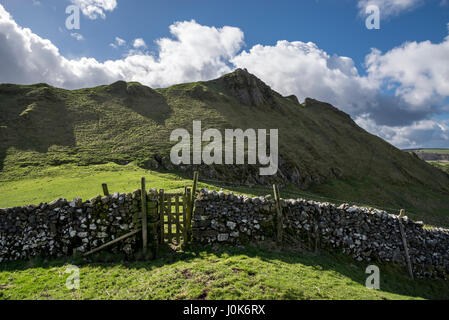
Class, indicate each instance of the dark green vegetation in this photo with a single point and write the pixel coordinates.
(322, 150)
(436, 157)
(443, 165)
(219, 273)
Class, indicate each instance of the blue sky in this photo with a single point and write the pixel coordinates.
(409, 110)
(334, 25)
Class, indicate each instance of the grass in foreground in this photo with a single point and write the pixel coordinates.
(224, 273)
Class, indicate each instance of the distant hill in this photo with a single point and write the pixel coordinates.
(321, 148)
(431, 154)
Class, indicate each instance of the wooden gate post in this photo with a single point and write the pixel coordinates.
(154, 216)
(162, 215)
(404, 242)
(184, 215)
(191, 207)
(144, 216)
(105, 189)
(279, 222)
(189, 210)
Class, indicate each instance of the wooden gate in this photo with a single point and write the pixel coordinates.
(165, 217)
(174, 216)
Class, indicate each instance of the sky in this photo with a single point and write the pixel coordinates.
(393, 81)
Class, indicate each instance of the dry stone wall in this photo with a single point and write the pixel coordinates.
(60, 227)
(366, 234)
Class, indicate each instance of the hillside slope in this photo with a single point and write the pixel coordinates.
(321, 148)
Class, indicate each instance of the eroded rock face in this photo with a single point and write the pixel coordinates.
(366, 234)
(248, 89)
(60, 227)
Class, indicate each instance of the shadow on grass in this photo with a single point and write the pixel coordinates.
(393, 279)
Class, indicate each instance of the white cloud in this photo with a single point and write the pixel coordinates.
(417, 72)
(194, 53)
(77, 36)
(119, 42)
(95, 8)
(139, 44)
(423, 133)
(389, 7)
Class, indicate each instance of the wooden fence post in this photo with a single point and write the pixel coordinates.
(154, 215)
(184, 215)
(105, 189)
(192, 204)
(177, 221)
(404, 242)
(279, 220)
(144, 216)
(162, 215)
(188, 222)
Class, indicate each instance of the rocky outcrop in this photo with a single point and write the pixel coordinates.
(247, 88)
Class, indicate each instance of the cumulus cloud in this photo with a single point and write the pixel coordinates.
(95, 8)
(417, 72)
(389, 7)
(194, 52)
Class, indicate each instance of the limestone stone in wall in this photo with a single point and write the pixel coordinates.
(227, 218)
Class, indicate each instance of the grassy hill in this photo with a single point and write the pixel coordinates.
(322, 150)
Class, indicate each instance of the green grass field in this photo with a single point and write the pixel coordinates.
(222, 273)
(35, 185)
(69, 181)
